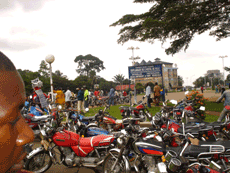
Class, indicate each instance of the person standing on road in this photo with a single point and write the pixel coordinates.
(68, 94)
(111, 96)
(216, 88)
(86, 97)
(80, 97)
(225, 95)
(202, 89)
(148, 94)
(157, 94)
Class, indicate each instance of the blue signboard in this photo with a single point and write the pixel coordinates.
(145, 71)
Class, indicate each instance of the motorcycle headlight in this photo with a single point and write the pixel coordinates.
(120, 141)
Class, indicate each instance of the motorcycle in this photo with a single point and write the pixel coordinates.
(152, 155)
(75, 151)
(140, 111)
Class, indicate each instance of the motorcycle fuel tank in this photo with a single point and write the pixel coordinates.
(66, 138)
(149, 147)
(94, 131)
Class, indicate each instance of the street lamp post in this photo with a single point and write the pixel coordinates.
(133, 58)
(223, 65)
(50, 59)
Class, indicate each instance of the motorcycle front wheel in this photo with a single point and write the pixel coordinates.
(39, 163)
(112, 159)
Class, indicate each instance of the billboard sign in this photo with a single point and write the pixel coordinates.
(145, 71)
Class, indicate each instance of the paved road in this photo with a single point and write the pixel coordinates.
(180, 95)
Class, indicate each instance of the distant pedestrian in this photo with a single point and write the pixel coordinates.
(124, 93)
(166, 91)
(202, 89)
(86, 97)
(229, 85)
(111, 96)
(219, 88)
(157, 94)
(68, 94)
(216, 88)
(80, 98)
(148, 94)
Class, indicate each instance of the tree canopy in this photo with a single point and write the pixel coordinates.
(88, 63)
(119, 78)
(177, 21)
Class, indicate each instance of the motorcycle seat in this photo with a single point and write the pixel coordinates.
(226, 144)
(95, 141)
(188, 130)
(195, 150)
(92, 118)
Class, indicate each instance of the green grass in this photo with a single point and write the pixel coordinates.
(211, 106)
(115, 111)
(211, 118)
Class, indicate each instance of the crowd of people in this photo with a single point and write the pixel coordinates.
(82, 96)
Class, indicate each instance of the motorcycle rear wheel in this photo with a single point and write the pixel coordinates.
(37, 161)
(109, 161)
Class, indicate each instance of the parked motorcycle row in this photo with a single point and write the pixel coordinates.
(178, 140)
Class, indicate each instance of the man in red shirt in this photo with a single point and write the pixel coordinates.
(96, 93)
(202, 89)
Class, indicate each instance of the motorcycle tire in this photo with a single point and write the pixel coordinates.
(30, 162)
(108, 163)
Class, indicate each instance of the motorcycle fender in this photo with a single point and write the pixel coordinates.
(127, 164)
(35, 151)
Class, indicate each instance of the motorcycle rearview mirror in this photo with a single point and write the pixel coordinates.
(202, 108)
(173, 102)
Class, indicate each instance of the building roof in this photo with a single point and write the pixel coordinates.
(157, 61)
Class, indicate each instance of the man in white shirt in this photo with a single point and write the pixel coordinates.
(68, 94)
(148, 94)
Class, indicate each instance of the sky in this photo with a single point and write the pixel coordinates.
(31, 30)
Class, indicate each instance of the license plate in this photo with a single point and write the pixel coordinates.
(45, 144)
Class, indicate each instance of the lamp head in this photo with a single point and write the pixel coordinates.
(50, 59)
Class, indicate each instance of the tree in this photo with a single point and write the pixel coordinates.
(139, 87)
(176, 20)
(44, 69)
(88, 63)
(126, 82)
(119, 78)
(180, 81)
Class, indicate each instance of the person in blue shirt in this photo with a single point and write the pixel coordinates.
(111, 96)
(80, 97)
(225, 95)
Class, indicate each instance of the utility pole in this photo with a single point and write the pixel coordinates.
(133, 59)
(223, 65)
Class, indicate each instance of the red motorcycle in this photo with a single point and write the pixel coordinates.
(140, 111)
(75, 151)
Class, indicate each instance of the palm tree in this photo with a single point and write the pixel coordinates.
(119, 78)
